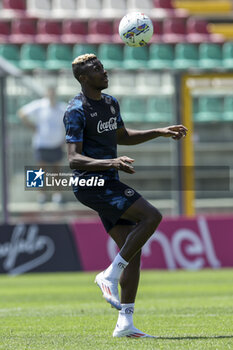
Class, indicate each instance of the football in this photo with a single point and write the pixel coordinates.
(136, 29)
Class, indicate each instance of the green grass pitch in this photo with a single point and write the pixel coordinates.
(186, 310)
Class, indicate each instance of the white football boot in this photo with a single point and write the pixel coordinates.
(130, 332)
(109, 288)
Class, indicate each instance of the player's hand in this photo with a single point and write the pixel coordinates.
(175, 131)
(124, 163)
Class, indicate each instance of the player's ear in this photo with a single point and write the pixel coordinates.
(82, 78)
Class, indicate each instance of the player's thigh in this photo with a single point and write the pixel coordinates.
(141, 209)
(119, 233)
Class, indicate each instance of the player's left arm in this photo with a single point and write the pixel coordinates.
(127, 136)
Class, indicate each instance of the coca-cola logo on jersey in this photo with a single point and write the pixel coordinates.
(110, 125)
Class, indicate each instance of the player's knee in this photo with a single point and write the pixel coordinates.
(159, 216)
(154, 218)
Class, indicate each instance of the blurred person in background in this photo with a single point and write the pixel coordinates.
(45, 118)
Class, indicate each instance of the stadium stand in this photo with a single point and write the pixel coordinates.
(99, 31)
(148, 83)
(74, 9)
(186, 56)
(123, 82)
(222, 29)
(133, 108)
(228, 109)
(48, 31)
(210, 56)
(113, 8)
(4, 31)
(156, 57)
(59, 56)
(228, 55)
(159, 109)
(74, 31)
(205, 8)
(166, 9)
(19, 5)
(161, 56)
(11, 53)
(63, 8)
(32, 56)
(115, 37)
(12, 8)
(39, 8)
(174, 30)
(138, 5)
(210, 108)
(134, 58)
(198, 32)
(23, 30)
(111, 55)
(89, 8)
(158, 31)
(81, 49)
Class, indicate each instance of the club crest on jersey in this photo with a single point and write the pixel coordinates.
(112, 110)
(108, 100)
(110, 125)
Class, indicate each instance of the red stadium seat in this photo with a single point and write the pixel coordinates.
(14, 5)
(116, 37)
(74, 31)
(48, 31)
(4, 31)
(197, 32)
(163, 4)
(99, 31)
(158, 31)
(174, 30)
(13, 8)
(23, 30)
(165, 8)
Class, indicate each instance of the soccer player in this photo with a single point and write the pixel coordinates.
(94, 127)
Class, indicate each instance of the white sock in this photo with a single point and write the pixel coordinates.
(125, 317)
(116, 268)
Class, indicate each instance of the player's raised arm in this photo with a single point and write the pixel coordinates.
(81, 162)
(127, 136)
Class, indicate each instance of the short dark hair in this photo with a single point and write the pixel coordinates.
(79, 63)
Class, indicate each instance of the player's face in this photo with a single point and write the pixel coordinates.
(96, 75)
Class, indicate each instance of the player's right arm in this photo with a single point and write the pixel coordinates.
(80, 162)
(26, 121)
(28, 114)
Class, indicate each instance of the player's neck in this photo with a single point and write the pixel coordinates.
(93, 94)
